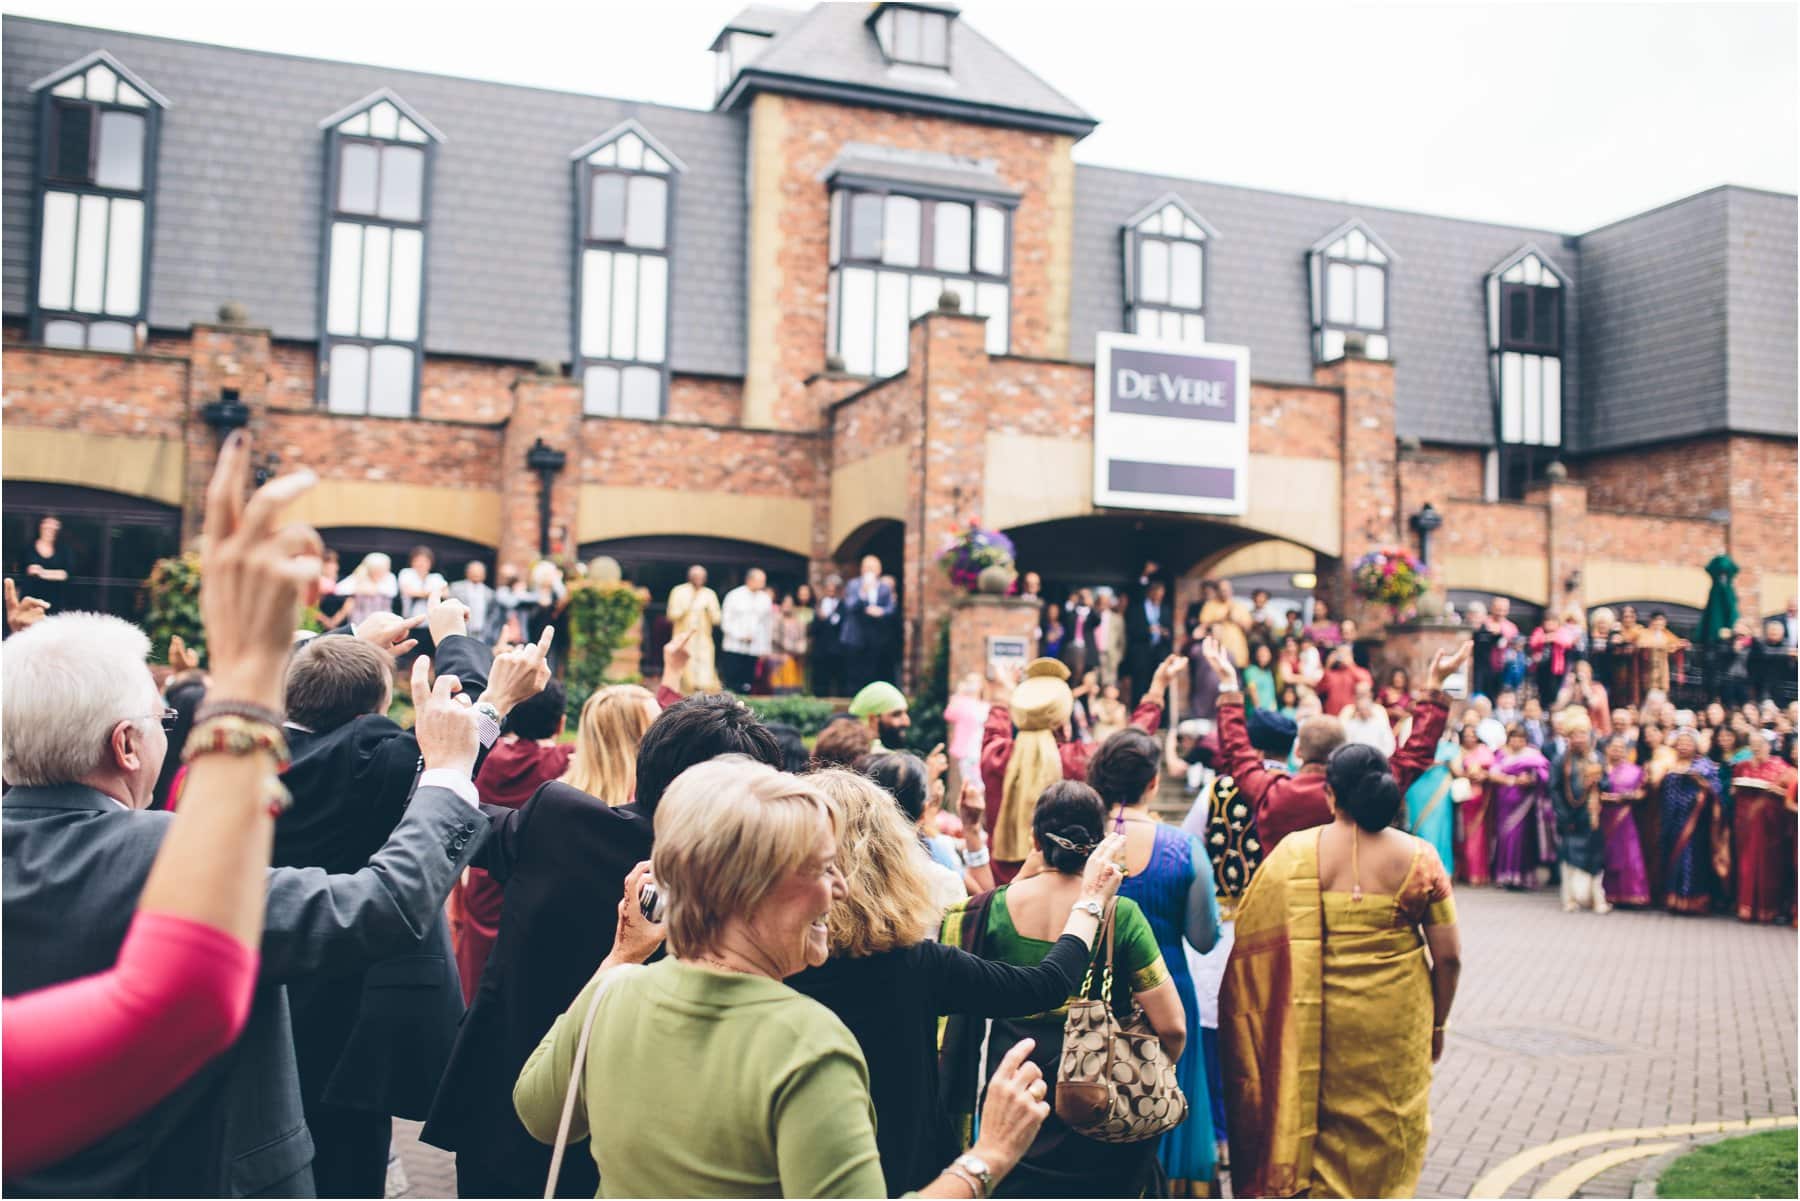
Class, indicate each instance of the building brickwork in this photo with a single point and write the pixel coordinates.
(765, 444)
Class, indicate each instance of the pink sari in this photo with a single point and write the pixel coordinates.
(1475, 823)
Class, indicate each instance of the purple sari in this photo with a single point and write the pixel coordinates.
(1524, 825)
(1626, 881)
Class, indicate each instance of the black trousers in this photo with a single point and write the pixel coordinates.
(350, 1150)
(737, 671)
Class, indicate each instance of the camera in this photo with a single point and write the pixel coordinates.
(651, 903)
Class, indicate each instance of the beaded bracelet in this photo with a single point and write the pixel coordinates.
(245, 709)
(236, 736)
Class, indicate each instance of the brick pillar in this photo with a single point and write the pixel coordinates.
(950, 355)
(547, 407)
(974, 619)
(1369, 513)
(1567, 503)
(220, 357)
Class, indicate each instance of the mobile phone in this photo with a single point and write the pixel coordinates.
(651, 903)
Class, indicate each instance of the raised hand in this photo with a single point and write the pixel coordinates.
(637, 936)
(1445, 664)
(1221, 664)
(676, 657)
(520, 674)
(445, 616)
(390, 632)
(1101, 878)
(21, 613)
(181, 658)
(447, 729)
(255, 574)
(971, 806)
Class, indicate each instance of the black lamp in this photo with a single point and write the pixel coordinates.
(547, 461)
(1424, 521)
(226, 413)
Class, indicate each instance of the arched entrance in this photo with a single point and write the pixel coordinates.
(112, 541)
(883, 537)
(1111, 549)
(659, 562)
(448, 555)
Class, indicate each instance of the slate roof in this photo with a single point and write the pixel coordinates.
(1258, 294)
(1679, 321)
(240, 182)
(830, 50)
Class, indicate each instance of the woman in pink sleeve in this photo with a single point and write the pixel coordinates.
(82, 1059)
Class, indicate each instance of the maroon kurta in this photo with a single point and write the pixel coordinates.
(1762, 829)
(1284, 803)
(996, 753)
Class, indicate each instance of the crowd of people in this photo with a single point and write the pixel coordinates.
(249, 919)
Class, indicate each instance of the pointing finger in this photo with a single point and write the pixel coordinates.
(225, 493)
(267, 502)
(544, 641)
(421, 680)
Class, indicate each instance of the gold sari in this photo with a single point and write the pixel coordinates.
(1325, 1030)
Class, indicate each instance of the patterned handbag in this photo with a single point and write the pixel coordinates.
(1114, 1084)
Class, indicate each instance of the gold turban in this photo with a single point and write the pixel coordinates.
(1040, 705)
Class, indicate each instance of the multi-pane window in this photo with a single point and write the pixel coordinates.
(1165, 275)
(1350, 294)
(919, 36)
(625, 193)
(375, 262)
(97, 164)
(732, 52)
(894, 255)
(1525, 338)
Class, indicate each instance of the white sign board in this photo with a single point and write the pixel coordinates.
(1171, 425)
(1005, 651)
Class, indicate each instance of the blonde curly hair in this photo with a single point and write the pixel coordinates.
(889, 903)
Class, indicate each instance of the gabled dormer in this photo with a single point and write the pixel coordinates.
(97, 132)
(1349, 271)
(1165, 270)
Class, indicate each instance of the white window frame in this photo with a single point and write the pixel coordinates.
(1171, 224)
(1341, 265)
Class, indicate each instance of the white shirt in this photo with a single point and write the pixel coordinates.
(748, 621)
(410, 580)
(1373, 730)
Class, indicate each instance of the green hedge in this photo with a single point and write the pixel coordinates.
(808, 714)
(600, 618)
(174, 587)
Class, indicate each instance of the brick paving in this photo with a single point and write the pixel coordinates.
(1565, 1024)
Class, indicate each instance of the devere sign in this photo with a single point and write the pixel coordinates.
(1171, 425)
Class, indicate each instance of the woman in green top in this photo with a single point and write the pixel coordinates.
(706, 1076)
(1259, 678)
(1016, 924)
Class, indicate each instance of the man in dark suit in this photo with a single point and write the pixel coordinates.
(77, 851)
(372, 1042)
(563, 858)
(1148, 632)
(863, 632)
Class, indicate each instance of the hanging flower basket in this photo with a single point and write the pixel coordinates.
(1391, 576)
(972, 551)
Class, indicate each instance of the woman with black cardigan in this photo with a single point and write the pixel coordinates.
(889, 985)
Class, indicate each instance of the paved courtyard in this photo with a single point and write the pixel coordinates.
(1634, 1030)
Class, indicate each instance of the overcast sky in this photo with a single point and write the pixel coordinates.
(1559, 115)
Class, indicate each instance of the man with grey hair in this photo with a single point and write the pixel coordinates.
(84, 742)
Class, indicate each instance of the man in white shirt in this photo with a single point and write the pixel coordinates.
(1366, 722)
(749, 624)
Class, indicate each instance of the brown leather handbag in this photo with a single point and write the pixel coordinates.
(1114, 1083)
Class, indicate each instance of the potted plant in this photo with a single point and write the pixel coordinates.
(1391, 576)
(978, 560)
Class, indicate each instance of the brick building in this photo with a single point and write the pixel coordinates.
(734, 326)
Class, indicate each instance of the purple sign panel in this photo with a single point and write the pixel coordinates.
(1174, 385)
(1170, 479)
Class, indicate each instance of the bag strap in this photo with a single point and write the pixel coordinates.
(568, 1109)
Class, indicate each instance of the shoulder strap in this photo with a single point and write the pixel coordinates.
(574, 1089)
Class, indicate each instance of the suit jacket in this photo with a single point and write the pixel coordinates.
(562, 858)
(376, 1036)
(485, 614)
(75, 863)
(857, 631)
(1138, 640)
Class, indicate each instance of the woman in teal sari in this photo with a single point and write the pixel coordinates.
(1430, 811)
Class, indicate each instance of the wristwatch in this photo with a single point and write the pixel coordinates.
(977, 1167)
(1091, 905)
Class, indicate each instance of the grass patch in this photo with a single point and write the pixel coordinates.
(1756, 1165)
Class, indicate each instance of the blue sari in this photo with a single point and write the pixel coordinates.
(1176, 892)
(1430, 813)
(1696, 840)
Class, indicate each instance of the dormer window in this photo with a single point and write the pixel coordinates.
(732, 51)
(917, 36)
(1525, 305)
(1165, 272)
(378, 179)
(625, 185)
(98, 128)
(1349, 269)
